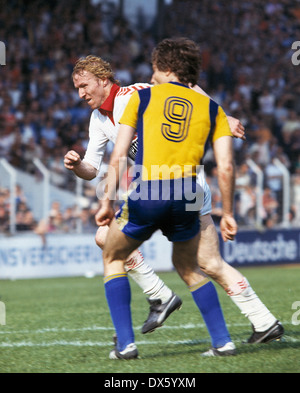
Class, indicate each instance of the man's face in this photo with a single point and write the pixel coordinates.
(90, 89)
(159, 77)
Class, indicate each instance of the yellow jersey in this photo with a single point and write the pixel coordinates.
(173, 124)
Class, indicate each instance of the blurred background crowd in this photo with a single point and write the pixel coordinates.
(247, 68)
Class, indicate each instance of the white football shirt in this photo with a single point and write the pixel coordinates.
(101, 128)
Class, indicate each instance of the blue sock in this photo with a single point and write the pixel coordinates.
(118, 295)
(206, 299)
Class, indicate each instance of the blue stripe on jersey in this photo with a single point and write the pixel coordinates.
(213, 111)
(145, 95)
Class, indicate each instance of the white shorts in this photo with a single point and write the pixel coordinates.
(206, 209)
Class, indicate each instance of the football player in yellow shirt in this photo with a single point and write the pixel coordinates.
(173, 124)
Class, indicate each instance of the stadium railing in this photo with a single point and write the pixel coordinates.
(259, 190)
(286, 200)
(39, 193)
(12, 174)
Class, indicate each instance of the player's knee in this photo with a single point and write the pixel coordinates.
(212, 267)
(101, 237)
(107, 257)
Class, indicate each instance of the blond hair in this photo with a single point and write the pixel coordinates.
(95, 65)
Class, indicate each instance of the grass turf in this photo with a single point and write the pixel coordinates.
(63, 326)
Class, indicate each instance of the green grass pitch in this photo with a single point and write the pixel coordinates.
(63, 326)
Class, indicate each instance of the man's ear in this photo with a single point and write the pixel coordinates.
(103, 82)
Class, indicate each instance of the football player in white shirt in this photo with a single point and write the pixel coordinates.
(95, 82)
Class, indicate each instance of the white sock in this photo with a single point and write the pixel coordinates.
(146, 278)
(251, 306)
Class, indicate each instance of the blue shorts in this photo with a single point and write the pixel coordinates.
(171, 207)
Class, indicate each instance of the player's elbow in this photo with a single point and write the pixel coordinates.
(100, 237)
(226, 168)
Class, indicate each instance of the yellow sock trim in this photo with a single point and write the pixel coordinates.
(113, 276)
(200, 284)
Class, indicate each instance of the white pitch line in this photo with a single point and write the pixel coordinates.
(107, 328)
(58, 330)
(89, 343)
(31, 344)
(92, 328)
(93, 343)
(53, 344)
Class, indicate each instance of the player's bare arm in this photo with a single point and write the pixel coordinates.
(226, 178)
(82, 169)
(117, 163)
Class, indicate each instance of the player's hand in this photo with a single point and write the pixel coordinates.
(236, 127)
(72, 159)
(228, 227)
(105, 215)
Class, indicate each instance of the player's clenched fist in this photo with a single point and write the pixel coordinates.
(72, 159)
(105, 215)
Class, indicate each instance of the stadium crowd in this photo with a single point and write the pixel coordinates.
(247, 68)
